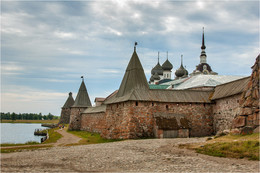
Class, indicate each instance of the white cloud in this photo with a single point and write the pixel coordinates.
(64, 35)
(107, 71)
(25, 99)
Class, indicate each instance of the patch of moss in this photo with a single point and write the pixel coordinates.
(239, 149)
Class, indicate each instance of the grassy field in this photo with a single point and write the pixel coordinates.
(53, 136)
(30, 121)
(19, 144)
(19, 149)
(231, 146)
(90, 138)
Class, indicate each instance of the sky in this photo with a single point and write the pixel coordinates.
(46, 46)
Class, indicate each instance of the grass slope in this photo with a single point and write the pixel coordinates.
(90, 138)
(232, 146)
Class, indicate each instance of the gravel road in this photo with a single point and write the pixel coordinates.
(150, 155)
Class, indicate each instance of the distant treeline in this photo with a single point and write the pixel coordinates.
(27, 116)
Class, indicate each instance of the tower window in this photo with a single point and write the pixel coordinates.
(152, 104)
(167, 107)
(136, 103)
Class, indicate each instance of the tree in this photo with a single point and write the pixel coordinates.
(13, 116)
(50, 116)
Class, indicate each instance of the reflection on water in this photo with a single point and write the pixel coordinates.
(19, 132)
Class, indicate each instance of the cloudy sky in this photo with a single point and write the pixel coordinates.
(47, 46)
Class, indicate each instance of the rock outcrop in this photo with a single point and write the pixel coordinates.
(249, 102)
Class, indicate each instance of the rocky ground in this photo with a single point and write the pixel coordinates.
(150, 155)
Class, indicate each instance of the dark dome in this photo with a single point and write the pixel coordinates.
(167, 65)
(156, 76)
(186, 72)
(152, 78)
(181, 72)
(157, 69)
(200, 67)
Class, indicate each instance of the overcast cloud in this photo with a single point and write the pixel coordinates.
(46, 46)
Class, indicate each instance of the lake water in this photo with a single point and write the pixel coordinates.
(19, 132)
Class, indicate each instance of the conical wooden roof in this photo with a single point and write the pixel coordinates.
(134, 78)
(82, 99)
(69, 102)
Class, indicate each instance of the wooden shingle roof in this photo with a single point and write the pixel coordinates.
(230, 88)
(82, 99)
(69, 102)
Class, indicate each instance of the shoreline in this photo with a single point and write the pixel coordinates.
(31, 121)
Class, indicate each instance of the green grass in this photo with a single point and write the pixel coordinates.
(90, 138)
(53, 136)
(233, 146)
(19, 149)
(30, 121)
(19, 144)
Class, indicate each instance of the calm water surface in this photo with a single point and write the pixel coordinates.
(19, 132)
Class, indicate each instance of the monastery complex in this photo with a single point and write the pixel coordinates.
(201, 103)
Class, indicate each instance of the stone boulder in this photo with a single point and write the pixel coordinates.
(247, 130)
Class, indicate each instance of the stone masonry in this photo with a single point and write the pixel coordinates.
(249, 102)
(224, 112)
(137, 119)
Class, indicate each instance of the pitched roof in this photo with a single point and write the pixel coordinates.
(134, 78)
(82, 99)
(69, 102)
(99, 99)
(174, 96)
(205, 81)
(231, 88)
(97, 109)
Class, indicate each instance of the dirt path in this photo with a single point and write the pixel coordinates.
(67, 138)
(150, 155)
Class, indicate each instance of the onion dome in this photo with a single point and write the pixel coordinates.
(156, 76)
(157, 69)
(186, 72)
(151, 78)
(180, 72)
(167, 65)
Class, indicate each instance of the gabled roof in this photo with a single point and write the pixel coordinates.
(230, 88)
(69, 102)
(134, 78)
(82, 99)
